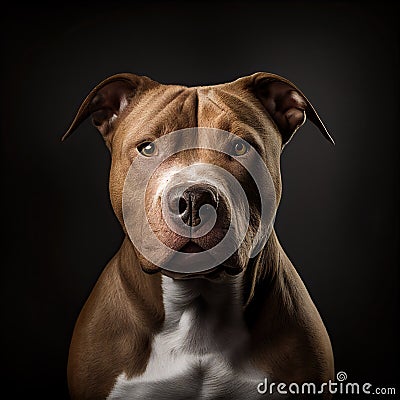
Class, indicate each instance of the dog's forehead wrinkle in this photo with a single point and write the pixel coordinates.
(237, 104)
(208, 94)
(238, 112)
(161, 124)
(172, 109)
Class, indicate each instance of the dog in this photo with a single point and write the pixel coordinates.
(150, 330)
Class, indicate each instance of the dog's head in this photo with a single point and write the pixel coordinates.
(188, 165)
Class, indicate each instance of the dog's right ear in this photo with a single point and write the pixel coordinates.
(107, 101)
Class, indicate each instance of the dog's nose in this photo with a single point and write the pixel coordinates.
(193, 199)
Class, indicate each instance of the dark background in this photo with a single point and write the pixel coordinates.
(338, 219)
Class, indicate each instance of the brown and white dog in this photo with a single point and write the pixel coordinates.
(148, 333)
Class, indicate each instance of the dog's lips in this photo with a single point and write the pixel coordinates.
(190, 253)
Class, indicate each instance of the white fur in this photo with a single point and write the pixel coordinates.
(200, 352)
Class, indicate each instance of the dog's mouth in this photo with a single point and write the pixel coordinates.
(190, 253)
(192, 221)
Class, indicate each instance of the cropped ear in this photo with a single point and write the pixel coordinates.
(106, 102)
(286, 104)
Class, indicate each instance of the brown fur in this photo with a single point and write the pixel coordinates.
(114, 331)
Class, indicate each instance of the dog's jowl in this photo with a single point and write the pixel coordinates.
(200, 301)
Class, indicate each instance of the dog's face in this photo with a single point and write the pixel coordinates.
(177, 133)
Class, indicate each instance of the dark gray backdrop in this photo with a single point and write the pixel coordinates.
(338, 219)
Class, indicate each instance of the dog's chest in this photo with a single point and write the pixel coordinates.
(201, 351)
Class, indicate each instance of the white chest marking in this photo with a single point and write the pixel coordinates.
(201, 351)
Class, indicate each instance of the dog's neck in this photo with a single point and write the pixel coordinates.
(207, 315)
(171, 303)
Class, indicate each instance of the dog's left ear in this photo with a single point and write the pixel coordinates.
(286, 104)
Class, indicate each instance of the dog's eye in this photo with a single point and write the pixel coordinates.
(240, 147)
(148, 149)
